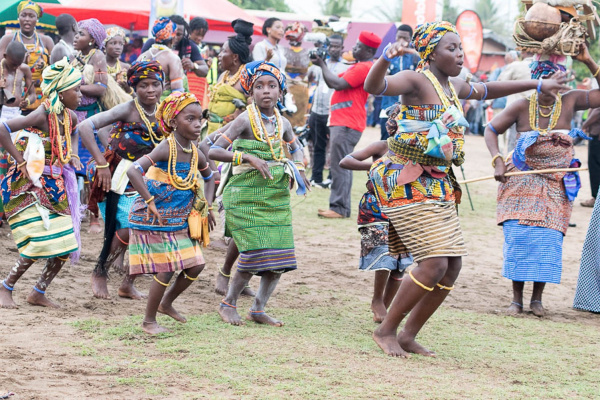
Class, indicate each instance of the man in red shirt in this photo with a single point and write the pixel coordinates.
(347, 119)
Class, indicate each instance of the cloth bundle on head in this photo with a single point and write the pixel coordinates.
(113, 32)
(31, 6)
(295, 31)
(163, 30)
(545, 64)
(255, 70)
(240, 43)
(141, 70)
(95, 29)
(427, 37)
(369, 39)
(57, 78)
(170, 107)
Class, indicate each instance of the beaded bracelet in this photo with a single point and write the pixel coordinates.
(137, 166)
(150, 200)
(149, 159)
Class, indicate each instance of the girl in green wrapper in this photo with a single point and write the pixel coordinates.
(256, 195)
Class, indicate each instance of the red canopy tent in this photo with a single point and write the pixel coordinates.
(135, 14)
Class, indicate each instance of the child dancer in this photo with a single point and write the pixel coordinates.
(373, 228)
(40, 189)
(161, 240)
(256, 196)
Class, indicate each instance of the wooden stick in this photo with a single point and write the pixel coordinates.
(535, 171)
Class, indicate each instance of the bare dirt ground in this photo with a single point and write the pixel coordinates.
(37, 353)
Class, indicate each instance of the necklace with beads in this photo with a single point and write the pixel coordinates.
(185, 150)
(28, 37)
(446, 100)
(56, 139)
(114, 69)
(260, 131)
(154, 137)
(191, 179)
(225, 80)
(534, 114)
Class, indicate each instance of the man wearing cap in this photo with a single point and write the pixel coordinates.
(347, 119)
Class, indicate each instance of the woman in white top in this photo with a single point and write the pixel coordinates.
(269, 49)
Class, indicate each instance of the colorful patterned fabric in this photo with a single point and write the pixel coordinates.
(374, 251)
(140, 70)
(541, 69)
(131, 140)
(532, 253)
(405, 175)
(18, 192)
(3, 170)
(539, 199)
(125, 203)
(221, 106)
(37, 59)
(25, 5)
(34, 240)
(112, 33)
(57, 78)
(153, 252)
(173, 205)
(295, 31)
(426, 38)
(425, 230)
(163, 30)
(587, 295)
(95, 29)
(369, 211)
(257, 210)
(255, 69)
(258, 262)
(170, 107)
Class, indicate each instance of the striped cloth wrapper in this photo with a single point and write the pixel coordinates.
(34, 240)
(426, 230)
(532, 253)
(153, 252)
(258, 262)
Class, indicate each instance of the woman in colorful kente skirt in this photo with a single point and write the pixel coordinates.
(171, 217)
(135, 133)
(256, 193)
(39, 190)
(534, 210)
(414, 183)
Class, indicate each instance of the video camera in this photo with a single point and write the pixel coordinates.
(321, 42)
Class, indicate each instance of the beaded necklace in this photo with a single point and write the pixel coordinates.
(56, 140)
(156, 139)
(446, 100)
(114, 69)
(191, 179)
(260, 131)
(225, 80)
(534, 114)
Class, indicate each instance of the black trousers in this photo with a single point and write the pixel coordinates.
(594, 164)
(319, 132)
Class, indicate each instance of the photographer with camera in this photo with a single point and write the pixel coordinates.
(348, 118)
(329, 50)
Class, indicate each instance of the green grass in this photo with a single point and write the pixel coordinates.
(328, 353)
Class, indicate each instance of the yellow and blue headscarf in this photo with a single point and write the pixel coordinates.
(255, 69)
(427, 37)
(57, 78)
(170, 107)
(32, 6)
(141, 70)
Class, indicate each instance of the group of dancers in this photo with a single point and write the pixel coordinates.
(146, 183)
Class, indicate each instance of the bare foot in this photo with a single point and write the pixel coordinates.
(171, 312)
(129, 291)
(514, 308)
(153, 328)
(6, 300)
(248, 292)
(389, 345)
(95, 228)
(100, 287)
(379, 312)
(537, 308)
(263, 318)
(230, 315)
(410, 345)
(38, 299)
(222, 284)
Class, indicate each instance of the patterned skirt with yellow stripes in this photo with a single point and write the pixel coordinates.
(35, 239)
(426, 230)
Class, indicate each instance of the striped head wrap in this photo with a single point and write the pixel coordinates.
(95, 29)
(144, 70)
(544, 65)
(255, 69)
(113, 32)
(163, 30)
(170, 107)
(427, 37)
(24, 5)
(57, 78)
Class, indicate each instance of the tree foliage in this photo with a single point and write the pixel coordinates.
(387, 12)
(341, 8)
(489, 15)
(276, 5)
(449, 12)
